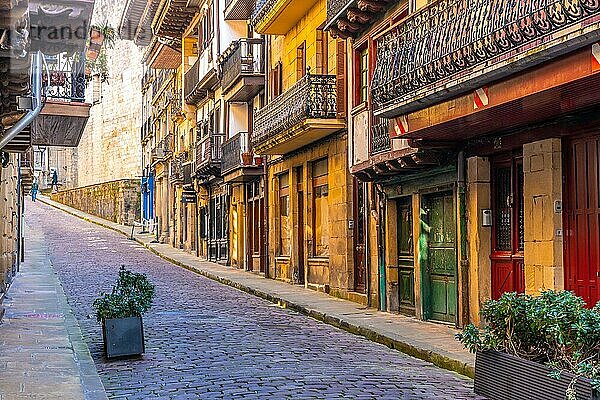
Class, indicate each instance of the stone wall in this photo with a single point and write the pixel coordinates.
(117, 201)
(110, 147)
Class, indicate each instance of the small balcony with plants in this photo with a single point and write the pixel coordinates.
(301, 115)
(242, 69)
(239, 163)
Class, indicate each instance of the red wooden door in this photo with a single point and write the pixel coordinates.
(508, 268)
(582, 218)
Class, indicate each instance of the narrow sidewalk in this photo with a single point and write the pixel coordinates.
(42, 352)
(428, 341)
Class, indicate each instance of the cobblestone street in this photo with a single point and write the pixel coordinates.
(206, 340)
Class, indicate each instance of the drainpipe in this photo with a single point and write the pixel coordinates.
(19, 215)
(36, 80)
(265, 222)
(464, 261)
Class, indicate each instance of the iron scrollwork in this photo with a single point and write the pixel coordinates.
(312, 97)
(449, 36)
(64, 77)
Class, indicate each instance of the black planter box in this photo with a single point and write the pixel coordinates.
(501, 376)
(123, 337)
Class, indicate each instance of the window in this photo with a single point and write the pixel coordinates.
(322, 52)
(284, 214)
(301, 61)
(363, 76)
(276, 79)
(320, 208)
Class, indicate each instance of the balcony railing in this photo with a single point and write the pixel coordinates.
(244, 57)
(237, 153)
(177, 168)
(163, 149)
(239, 9)
(380, 136)
(209, 152)
(65, 77)
(312, 97)
(160, 78)
(441, 44)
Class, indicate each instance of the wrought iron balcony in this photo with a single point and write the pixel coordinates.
(301, 115)
(64, 79)
(159, 79)
(239, 9)
(163, 149)
(239, 163)
(178, 166)
(242, 68)
(277, 17)
(209, 151)
(451, 47)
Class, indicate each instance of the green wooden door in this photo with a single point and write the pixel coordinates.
(406, 270)
(440, 262)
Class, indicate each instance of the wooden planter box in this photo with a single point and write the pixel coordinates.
(501, 376)
(123, 337)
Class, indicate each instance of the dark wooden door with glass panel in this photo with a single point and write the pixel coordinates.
(440, 262)
(406, 259)
(582, 218)
(360, 209)
(508, 270)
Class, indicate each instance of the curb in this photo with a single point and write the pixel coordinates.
(370, 334)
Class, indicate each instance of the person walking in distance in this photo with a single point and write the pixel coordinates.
(54, 181)
(34, 190)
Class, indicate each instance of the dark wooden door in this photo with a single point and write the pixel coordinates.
(508, 268)
(255, 227)
(406, 270)
(439, 228)
(360, 209)
(301, 225)
(582, 218)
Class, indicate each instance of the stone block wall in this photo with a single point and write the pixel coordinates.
(117, 201)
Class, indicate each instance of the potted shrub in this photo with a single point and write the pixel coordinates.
(120, 313)
(536, 347)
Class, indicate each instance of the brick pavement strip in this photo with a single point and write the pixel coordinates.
(207, 340)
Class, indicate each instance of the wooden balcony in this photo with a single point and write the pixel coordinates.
(300, 116)
(434, 55)
(239, 9)
(277, 17)
(242, 68)
(209, 151)
(239, 163)
(200, 79)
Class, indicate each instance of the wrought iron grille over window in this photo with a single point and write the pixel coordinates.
(449, 36)
(312, 97)
(65, 77)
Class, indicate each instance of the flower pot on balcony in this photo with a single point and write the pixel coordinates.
(123, 337)
(247, 158)
(258, 161)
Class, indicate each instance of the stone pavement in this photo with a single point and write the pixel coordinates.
(42, 353)
(206, 340)
(428, 341)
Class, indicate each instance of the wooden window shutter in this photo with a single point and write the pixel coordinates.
(341, 78)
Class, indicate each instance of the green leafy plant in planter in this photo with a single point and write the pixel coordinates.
(120, 313)
(131, 296)
(553, 328)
